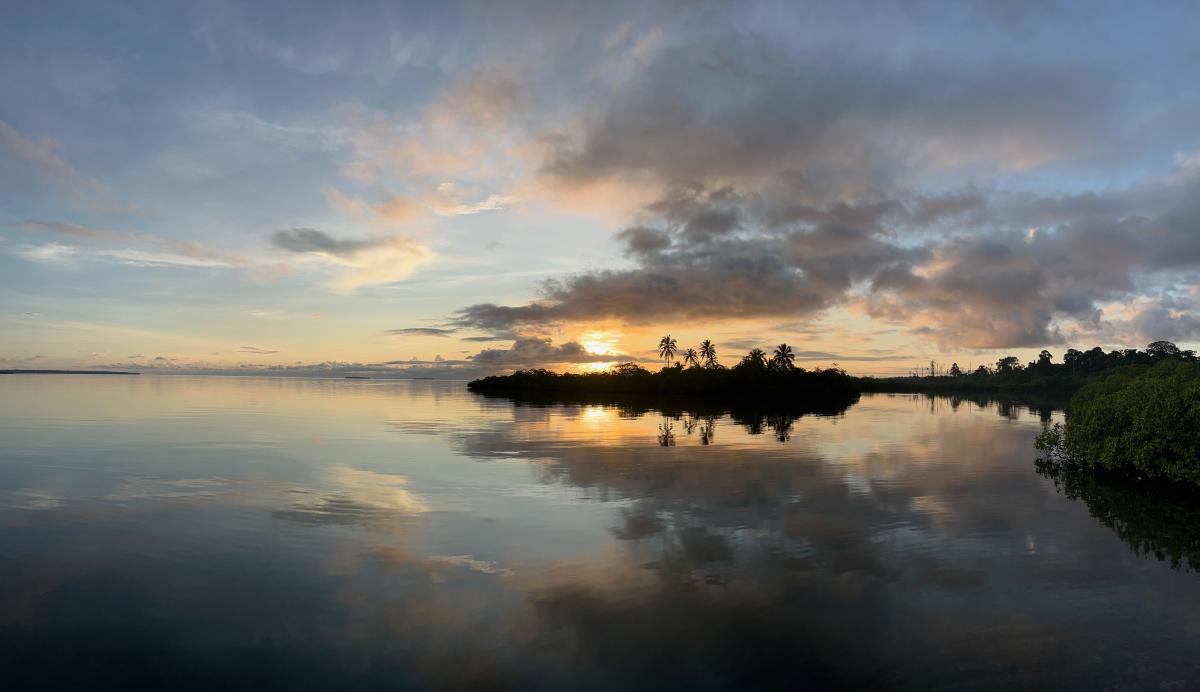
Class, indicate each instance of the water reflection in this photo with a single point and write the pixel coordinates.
(1152, 518)
(666, 433)
(246, 533)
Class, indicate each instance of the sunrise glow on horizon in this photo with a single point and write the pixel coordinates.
(457, 189)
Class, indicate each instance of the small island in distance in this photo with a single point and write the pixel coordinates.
(67, 372)
(1131, 412)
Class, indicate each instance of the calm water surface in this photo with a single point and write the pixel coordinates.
(188, 532)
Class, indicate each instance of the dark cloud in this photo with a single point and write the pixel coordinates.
(1156, 322)
(968, 270)
(528, 351)
(793, 181)
(640, 240)
(754, 272)
(254, 350)
(504, 336)
(1036, 261)
(312, 240)
(421, 331)
(739, 107)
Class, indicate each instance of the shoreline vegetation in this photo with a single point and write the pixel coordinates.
(698, 372)
(1131, 412)
(1141, 422)
(755, 378)
(1154, 517)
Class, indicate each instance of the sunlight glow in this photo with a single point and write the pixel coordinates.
(594, 414)
(599, 342)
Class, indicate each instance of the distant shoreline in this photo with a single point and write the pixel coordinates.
(67, 372)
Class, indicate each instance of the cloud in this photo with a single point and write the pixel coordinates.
(63, 255)
(977, 269)
(75, 230)
(491, 203)
(314, 241)
(1001, 186)
(1003, 286)
(254, 350)
(140, 249)
(145, 258)
(421, 331)
(41, 159)
(398, 209)
(1165, 318)
(775, 180)
(283, 315)
(737, 108)
(47, 253)
(363, 262)
(530, 351)
(727, 271)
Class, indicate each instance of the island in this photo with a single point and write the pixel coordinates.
(1130, 412)
(67, 372)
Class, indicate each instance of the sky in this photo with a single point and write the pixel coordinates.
(456, 188)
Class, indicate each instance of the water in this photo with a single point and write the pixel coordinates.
(201, 533)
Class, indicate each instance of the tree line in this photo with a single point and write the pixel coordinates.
(705, 356)
(1075, 363)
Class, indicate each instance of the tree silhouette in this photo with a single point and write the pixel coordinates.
(1162, 349)
(691, 358)
(1008, 364)
(666, 435)
(1045, 362)
(955, 371)
(708, 351)
(756, 359)
(784, 358)
(667, 348)
(628, 369)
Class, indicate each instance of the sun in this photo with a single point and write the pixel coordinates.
(599, 342)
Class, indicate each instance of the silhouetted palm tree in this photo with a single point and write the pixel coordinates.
(691, 358)
(756, 358)
(708, 352)
(784, 358)
(667, 348)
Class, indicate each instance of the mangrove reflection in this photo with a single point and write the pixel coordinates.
(1153, 518)
(697, 415)
(634, 405)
